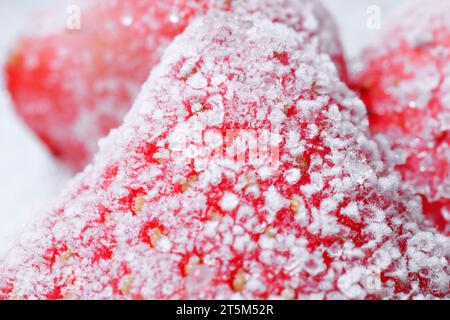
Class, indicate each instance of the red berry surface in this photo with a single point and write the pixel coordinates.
(405, 83)
(72, 86)
(310, 212)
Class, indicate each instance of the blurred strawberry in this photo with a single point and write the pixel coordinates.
(405, 83)
(72, 87)
(244, 170)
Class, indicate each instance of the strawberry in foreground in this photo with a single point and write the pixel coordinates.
(405, 83)
(164, 212)
(71, 87)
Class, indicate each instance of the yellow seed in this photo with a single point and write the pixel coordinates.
(302, 164)
(68, 295)
(155, 235)
(239, 280)
(294, 205)
(250, 175)
(366, 85)
(316, 88)
(248, 185)
(126, 284)
(213, 214)
(271, 232)
(193, 262)
(189, 182)
(251, 180)
(138, 203)
(189, 73)
(65, 256)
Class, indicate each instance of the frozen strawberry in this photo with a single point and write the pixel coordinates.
(72, 87)
(405, 83)
(244, 170)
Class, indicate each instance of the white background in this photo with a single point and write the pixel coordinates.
(30, 178)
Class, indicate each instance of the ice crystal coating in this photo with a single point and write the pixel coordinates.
(405, 83)
(154, 217)
(71, 87)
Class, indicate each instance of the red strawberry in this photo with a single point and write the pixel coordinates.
(72, 87)
(172, 207)
(405, 84)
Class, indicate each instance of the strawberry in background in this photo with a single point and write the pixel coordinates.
(314, 215)
(72, 86)
(405, 83)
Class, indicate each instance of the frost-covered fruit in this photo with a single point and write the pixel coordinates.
(405, 82)
(174, 206)
(72, 86)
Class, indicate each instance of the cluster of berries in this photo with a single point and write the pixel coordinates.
(246, 167)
